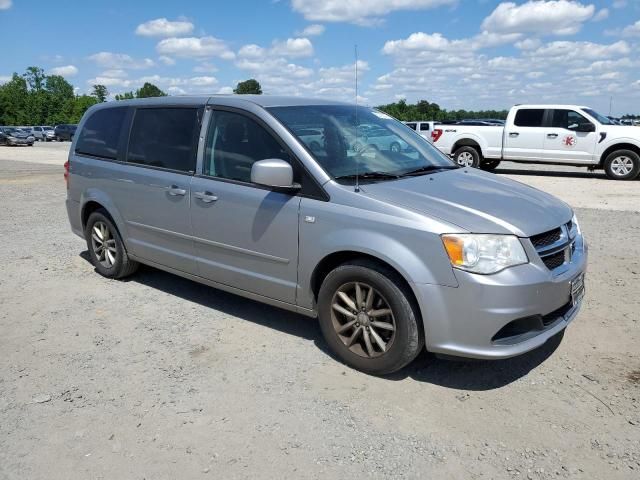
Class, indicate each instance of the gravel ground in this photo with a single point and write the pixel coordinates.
(160, 377)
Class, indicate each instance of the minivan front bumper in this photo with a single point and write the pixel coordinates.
(501, 315)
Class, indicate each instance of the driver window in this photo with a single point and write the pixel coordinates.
(234, 143)
(567, 119)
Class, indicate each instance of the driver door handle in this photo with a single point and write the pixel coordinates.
(175, 191)
(552, 135)
(514, 134)
(206, 197)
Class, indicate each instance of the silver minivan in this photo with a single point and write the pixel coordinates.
(394, 250)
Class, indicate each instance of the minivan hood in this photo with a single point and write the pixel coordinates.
(476, 201)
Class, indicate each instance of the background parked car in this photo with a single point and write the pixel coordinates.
(64, 132)
(43, 133)
(15, 136)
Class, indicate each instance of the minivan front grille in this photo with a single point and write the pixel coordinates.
(555, 247)
(547, 238)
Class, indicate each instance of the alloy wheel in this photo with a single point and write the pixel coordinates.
(363, 319)
(103, 244)
(621, 166)
(465, 159)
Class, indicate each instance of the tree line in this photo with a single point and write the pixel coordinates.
(35, 98)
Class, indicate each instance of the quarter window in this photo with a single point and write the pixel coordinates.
(164, 138)
(101, 132)
(529, 117)
(567, 119)
(235, 143)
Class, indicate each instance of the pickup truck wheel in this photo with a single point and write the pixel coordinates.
(467, 157)
(395, 147)
(489, 165)
(367, 318)
(622, 165)
(106, 248)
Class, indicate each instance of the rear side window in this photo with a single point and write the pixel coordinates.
(164, 138)
(412, 126)
(101, 132)
(529, 117)
(424, 126)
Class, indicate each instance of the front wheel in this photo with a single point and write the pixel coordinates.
(367, 318)
(622, 165)
(106, 248)
(395, 147)
(467, 157)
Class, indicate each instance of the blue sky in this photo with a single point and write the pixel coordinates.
(459, 53)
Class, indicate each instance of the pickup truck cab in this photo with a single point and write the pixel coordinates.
(555, 134)
(423, 128)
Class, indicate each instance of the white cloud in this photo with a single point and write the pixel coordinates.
(225, 90)
(161, 27)
(195, 47)
(363, 12)
(563, 51)
(312, 30)
(602, 14)
(293, 47)
(5, 4)
(632, 30)
(115, 73)
(203, 81)
(420, 43)
(205, 67)
(559, 17)
(4, 79)
(65, 71)
(166, 60)
(120, 60)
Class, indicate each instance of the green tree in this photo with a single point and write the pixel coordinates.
(149, 90)
(13, 101)
(100, 92)
(35, 78)
(250, 86)
(80, 105)
(125, 96)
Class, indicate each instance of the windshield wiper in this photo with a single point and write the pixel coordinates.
(427, 169)
(368, 175)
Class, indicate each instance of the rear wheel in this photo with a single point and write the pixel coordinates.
(489, 165)
(622, 165)
(367, 318)
(467, 157)
(394, 147)
(105, 246)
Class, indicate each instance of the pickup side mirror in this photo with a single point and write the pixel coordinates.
(274, 173)
(583, 127)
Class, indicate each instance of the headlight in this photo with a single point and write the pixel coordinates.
(575, 228)
(484, 253)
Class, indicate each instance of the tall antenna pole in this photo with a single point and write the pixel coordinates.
(357, 188)
(610, 104)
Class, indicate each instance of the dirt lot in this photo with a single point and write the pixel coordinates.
(159, 377)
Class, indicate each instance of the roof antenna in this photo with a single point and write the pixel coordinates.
(357, 188)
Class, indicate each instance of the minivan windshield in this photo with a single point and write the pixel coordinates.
(348, 141)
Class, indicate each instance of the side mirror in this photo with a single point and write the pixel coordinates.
(274, 173)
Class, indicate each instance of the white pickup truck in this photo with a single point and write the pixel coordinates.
(555, 134)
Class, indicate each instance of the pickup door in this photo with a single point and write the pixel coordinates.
(563, 142)
(524, 135)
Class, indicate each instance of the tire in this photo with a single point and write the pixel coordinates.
(467, 157)
(395, 147)
(401, 345)
(622, 165)
(115, 263)
(489, 165)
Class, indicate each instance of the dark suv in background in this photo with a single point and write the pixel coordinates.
(64, 132)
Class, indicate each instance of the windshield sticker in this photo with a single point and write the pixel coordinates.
(569, 141)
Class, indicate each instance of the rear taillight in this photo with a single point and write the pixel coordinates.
(436, 134)
(66, 173)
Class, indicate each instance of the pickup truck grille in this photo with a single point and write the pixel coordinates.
(555, 247)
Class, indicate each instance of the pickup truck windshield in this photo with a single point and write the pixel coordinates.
(346, 141)
(600, 118)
